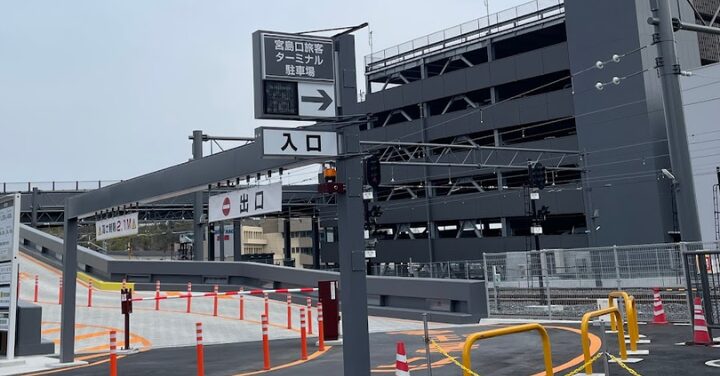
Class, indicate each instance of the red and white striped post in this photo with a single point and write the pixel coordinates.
(60, 290)
(189, 297)
(265, 342)
(199, 350)
(90, 293)
(309, 315)
(303, 335)
(321, 329)
(215, 300)
(267, 307)
(289, 311)
(242, 304)
(113, 353)
(37, 284)
(157, 295)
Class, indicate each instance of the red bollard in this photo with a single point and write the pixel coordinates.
(289, 311)
(267, 307)
(309, 315)
(35, 296)
(60, 290)
(189, 296)
(303, 335)
(157, 295)
(113, 354)
(199, 349)
(242, 304)
(266, 343)
(321, 330)
(215, 300)
(90, 293)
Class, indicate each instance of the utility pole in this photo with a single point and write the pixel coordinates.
(669, 70)
(353, 287)
(197, 145)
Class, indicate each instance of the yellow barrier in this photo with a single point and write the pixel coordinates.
(630, 314)
(102, 285)
(614, 313)
(547, 353)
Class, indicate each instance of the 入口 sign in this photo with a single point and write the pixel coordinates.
(286, 142)
(117, 227)
(249, 202)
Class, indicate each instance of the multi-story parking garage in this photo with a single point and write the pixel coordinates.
(523, 78)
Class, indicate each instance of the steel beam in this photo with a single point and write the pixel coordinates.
(181, 179)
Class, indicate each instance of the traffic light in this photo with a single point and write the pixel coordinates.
(372, 171)
(537, 176)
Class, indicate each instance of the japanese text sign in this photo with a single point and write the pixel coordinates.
(249, 202)
(298, 143)
(297, 57)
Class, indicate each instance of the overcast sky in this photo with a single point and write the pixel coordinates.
(111, 89)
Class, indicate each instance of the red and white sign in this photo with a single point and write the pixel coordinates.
(261, 199)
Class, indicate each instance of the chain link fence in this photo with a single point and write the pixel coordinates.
(565, 283)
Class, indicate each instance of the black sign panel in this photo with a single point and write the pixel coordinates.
(280, 98)
(297, 57)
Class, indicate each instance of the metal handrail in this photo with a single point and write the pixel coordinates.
(547, 351)
(475, 29)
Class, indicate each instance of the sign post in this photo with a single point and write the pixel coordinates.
(9, 245)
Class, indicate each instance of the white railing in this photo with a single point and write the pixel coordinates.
(481, 27)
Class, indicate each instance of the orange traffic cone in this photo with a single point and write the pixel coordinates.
(701, 336)
(658, 311)
(401, 364)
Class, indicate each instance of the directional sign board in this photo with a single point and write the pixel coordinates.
(9, 246)
(294, 76)
(289, 142)
(249, 202)
(117, 227)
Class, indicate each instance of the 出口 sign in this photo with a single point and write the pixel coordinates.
(249, 202)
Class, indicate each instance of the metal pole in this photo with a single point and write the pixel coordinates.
(221, 240)
(67, 311)
(427, 344)
(356, 346)
(316, 242)
(544, 274)
(617, 268)
(606, 366)
(288, 261)
(198, 203)
(675, 124)
(34, 221)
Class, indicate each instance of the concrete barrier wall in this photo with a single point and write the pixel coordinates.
(453, 301)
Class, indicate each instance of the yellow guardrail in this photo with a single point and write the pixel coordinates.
(547, 353)
(630, 314)
(102, 285)
(584, 327)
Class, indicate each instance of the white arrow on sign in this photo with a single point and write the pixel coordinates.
(316, 99)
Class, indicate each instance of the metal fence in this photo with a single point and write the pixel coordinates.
(565, 283)
(531, 11)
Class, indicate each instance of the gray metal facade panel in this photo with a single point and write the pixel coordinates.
(530, 64)
(555, 58)
(393, 98)
(432, 88)
(455, 82)
(479, 76)
(531, 109)
(503, 71)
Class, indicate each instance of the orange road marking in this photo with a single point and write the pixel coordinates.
(595, 344)
(288, 365)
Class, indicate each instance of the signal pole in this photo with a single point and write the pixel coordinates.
(669, 70)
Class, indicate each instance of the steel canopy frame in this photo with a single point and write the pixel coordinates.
(188, 177)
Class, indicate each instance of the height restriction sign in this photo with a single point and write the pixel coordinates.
(294, 76)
